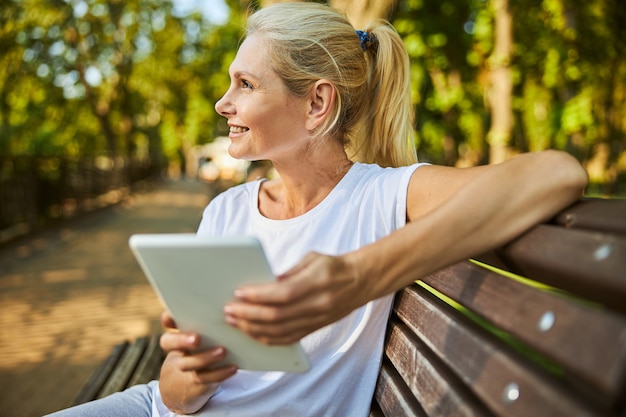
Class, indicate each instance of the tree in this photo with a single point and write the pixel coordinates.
(571, 66)
(107, 76)
(131, 79)
(361, 12)
(500, 90)
(447, 92)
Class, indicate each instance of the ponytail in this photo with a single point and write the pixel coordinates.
(386, 134)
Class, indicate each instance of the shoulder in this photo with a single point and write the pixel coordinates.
(431, 185)
(372, 173)
(235, 194)
(385, 180)
(229, 202)
(231, 207)
(373, 182)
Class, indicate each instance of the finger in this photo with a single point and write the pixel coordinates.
(216, 375)
(203, 368)
(205, 360)
(287, 333)
(315, 304)
(290, 286)
(270, 314)
(185, 342)
(288, 290)
(304, 263)
(278, 292)
(167, 321)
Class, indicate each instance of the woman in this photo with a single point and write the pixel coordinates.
(314, 97)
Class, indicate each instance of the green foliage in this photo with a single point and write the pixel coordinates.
(88, 77)
(448, 112)
(568, 70)
(132, 79)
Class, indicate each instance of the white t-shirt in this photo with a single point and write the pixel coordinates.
(366, 205)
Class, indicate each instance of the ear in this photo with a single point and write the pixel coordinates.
(322, 98)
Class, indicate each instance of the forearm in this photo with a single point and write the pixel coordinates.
(492, 209)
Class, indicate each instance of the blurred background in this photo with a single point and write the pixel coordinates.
(96, 95)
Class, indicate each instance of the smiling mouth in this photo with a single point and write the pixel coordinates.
(238, 129)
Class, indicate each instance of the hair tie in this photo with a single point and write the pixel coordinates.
(364, 37)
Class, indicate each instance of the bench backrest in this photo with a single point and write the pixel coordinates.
(536, 328)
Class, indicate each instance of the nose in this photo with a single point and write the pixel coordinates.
(224, 106)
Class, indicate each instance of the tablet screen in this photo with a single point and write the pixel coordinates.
(195, 276)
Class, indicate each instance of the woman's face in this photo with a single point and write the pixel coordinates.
(266, 121)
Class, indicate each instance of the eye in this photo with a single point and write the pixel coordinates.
(246, 84)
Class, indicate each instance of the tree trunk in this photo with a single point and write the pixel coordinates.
(361, 12)
(500, 90)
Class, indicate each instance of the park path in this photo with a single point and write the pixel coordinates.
(68, 295)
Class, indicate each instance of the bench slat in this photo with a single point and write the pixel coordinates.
(438, 390)
(118, 381)
(392, 396)
(595, 214)
(375, 410)
(588, 343)
(589, 264)
(149, 366)
(98, 379)
(491, 369)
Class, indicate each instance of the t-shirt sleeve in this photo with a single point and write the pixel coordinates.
(403, 189)
(206, 227)
(225, 210)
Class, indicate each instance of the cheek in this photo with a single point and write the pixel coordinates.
(262, 119)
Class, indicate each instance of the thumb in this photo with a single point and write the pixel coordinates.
(306, 261)
(167, 321)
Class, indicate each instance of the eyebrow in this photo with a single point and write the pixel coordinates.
(244, 74)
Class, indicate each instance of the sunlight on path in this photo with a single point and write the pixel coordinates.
(67, 297)
(76, 329)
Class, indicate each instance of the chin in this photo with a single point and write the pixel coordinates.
(238, 154)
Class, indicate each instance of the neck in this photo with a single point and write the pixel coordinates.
(302, 185)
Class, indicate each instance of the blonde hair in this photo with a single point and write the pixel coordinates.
(373, 112)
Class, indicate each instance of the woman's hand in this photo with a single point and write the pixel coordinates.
(321, 289)
(189, 377)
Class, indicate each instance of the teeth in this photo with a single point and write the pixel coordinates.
(237, 129)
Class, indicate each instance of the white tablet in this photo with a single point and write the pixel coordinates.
(196, 276)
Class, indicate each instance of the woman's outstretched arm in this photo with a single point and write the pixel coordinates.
(458, 213)
(453, 214)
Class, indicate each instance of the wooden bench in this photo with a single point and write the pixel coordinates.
(128, 364)
(477, 339)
